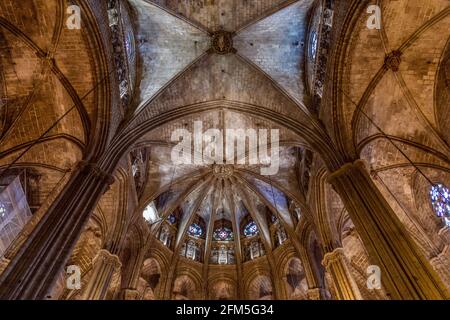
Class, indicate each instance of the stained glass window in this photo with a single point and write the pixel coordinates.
(223, 234)
(251, 229)
(313, 45)
(129, 40)
(150, 213)
(172, 219)
(195, 230)
(2, 210)
(440, 199)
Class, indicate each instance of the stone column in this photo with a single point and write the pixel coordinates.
(315, 292)
(406, 273)
(132, 273)
(336, 264)
(105, 265)
(35, 267)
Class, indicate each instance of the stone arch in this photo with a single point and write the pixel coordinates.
(149, 282)
(184, 288)
(294, 276)
(260, 288)
(315, 254)
(222, 289)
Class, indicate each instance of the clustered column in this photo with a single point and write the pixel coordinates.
(105, 265)
(33, 271)
(336, 264)
(406, 273)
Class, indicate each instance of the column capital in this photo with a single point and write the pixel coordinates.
(96, 170)
(334, 255)
(108, 258)
(359, 163)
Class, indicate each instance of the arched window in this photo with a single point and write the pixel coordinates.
(251, 229)
(223, 234)
(440, 200)
(191, 250)
(195, 230)
(14, 213)
(281, 235)
(223, 255)
(150, 213)
(313, 45)
(172, 218)
(2, 210)
(164, 236)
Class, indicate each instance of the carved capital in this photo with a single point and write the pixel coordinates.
(359, 164)
(108, 258)
(94, 168)
(333, 256)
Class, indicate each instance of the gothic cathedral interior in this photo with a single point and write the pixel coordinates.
(224, 149)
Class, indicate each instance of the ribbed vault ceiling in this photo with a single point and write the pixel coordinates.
(178, 68)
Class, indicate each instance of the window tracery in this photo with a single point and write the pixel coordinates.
(253, 249)
(191, 250)
(165, 236)
(251, 229)
(223, 234)
(172, 219)
(222, 254)
(440, 201)
(195, 230)
(281, 236)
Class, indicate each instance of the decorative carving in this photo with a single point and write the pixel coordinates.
(323, 51)
(139, 163)
(119, 49)
(222, 42)
(344, 169)
(222, 170)
(97, 171)
(393, 60)
(334, 255)
(107, 258)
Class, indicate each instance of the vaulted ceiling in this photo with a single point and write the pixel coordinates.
(263, 67)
